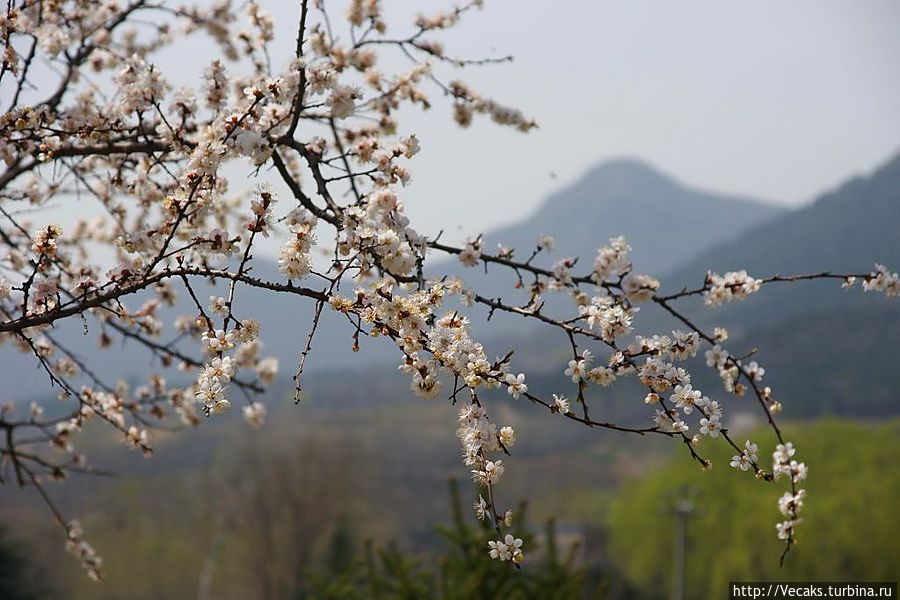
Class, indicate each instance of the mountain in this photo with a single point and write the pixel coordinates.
(831, 351)
(629, 197)
(666, 223)
(848, 229)
(826, 350)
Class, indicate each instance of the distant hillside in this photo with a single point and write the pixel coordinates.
(629, 197)
(848, 229)
(833, 363)
(623, 197)
(827, 351)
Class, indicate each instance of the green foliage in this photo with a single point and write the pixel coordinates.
(849, 530)
(461, 570)
(18, 580)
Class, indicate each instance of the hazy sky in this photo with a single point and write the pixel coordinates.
(773, 99)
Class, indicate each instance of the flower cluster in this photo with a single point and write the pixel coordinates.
(478, 435)
(747, 458)
(470, 102)
(734, 285)
(611, 318)
(255, 414)
(783, 465)
(471, 252)
(213, 380)
(76, 545)
(509, 548)
(612, 260)
(639, 288)
(294, 260)
(882, 280)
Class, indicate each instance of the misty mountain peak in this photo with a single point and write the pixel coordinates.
(629, 197)
(626, 174)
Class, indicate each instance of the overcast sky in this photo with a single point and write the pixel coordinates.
(772, 99)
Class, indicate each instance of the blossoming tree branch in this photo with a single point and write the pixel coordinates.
(102, 122)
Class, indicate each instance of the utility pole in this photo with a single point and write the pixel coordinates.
(682, 510)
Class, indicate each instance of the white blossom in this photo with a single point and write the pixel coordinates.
(546, 243)
(882, 280)
(255, 414)
(734, 285)
(639, 288)
(560, 404)
(612, 260)
(509, 548)
(710, 426)
(471, 253)
(716, 357)
(516, 384)
(507, 437)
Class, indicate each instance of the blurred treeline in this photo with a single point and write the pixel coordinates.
(321, 510)
(282, 520)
